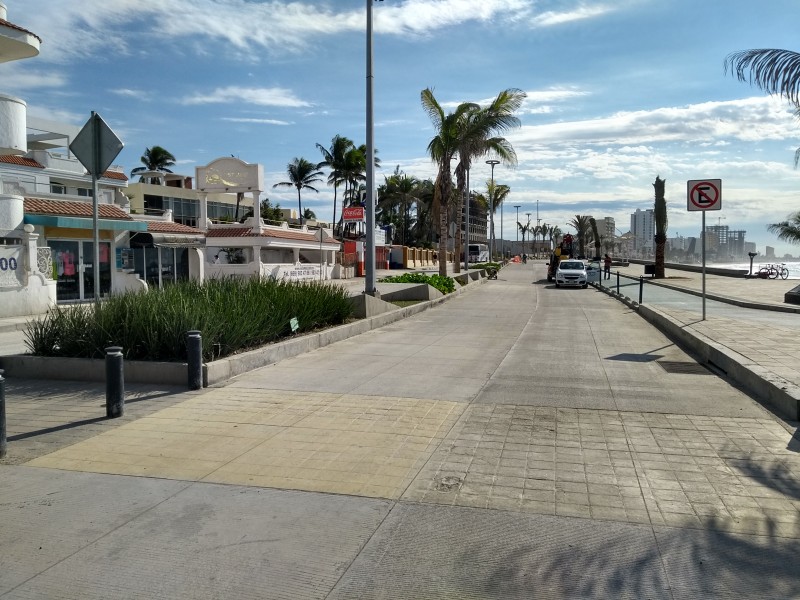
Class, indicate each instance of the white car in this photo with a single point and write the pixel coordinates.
(571, 273)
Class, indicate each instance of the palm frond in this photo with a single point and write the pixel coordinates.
(774, 71)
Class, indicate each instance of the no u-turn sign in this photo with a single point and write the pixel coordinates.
(704, 194)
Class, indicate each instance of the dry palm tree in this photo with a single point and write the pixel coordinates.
(660, 216)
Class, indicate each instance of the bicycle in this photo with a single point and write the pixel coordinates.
(773, 271)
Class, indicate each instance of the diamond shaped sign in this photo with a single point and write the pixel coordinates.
(96, 146)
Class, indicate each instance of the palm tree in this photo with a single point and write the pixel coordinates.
(155, 159)
(789, 230)
(544, 229)
(302, 174)
(595, 237)
(498, 195)
(334, 158)
(581, 225)
(399, 194)
(523, 230)
(774, 71)
(660, 217)
(442, 149)
(478, 138)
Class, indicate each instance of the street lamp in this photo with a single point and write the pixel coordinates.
(517, 206)
(369, 259)
(492, 162)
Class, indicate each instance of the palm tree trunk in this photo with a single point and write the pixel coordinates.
(299, 208)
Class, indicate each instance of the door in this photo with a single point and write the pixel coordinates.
(74, 272)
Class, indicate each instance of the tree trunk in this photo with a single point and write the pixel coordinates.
(661, 244)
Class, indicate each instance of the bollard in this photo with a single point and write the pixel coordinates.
(194, 353)
(618, 283)
(3, 439)
(641, 287)
(115, 383)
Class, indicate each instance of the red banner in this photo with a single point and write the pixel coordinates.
(353, 213)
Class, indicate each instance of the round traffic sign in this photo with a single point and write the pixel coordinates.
(705, 195)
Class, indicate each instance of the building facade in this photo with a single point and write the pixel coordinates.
(643, 231)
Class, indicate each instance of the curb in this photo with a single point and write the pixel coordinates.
(779, 394)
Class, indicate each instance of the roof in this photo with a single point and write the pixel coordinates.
(29, 162)
(73, 208)
(21, 161)
(287, 234)
(18, 28)
(170, 227)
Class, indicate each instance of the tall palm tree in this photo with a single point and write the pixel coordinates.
(660, 217)
(582, 226)
(334, 158)
(399, 193)
(442, 149)
(497, 194)
(774, 71)
(789, 230)
(302, 174)
(544, 229)
(595, 237)
(155, 159)
(523, 230)
(479, 137)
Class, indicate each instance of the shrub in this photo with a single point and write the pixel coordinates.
(232, 314)
(446, 285)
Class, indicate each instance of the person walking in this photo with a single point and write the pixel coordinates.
(607, 266)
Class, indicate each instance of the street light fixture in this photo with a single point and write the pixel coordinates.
(492, 162)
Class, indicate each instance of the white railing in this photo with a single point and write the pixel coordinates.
(44, 262)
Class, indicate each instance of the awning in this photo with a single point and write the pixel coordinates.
(84, 223)
(167, 240)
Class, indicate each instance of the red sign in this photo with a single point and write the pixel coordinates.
(704, 194)
(353, 213)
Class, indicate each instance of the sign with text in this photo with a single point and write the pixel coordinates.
(11, 270)
(704, 194)
(353, 214)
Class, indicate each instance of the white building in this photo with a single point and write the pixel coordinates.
(643, 227)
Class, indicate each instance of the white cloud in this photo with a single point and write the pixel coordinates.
(19, 77)
(750, 119)
(259, 96)
(129, 93)
(256, 121)
(580, 13)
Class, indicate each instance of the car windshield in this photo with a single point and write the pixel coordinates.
(571, 266)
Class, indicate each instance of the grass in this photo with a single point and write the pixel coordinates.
(232, 315)
(446, 285)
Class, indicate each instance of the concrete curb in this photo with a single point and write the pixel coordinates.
(171, 373)
(781, 395)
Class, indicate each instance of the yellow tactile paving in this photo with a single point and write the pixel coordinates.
(361, 445)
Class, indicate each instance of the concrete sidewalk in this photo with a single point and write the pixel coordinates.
(517, 441)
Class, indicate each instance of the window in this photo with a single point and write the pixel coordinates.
(86, 192)
(58, 188)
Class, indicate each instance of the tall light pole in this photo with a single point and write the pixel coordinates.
(491, 162)
(369, 259)
(523, 239)
(517, 206)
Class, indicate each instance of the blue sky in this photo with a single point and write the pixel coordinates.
(619, 91)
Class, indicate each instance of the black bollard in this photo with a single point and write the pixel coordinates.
(115, 383)
(3, 439)
(618, 283)
(641, 288)
(194, 354)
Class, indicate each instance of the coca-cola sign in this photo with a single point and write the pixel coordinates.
(353, 213)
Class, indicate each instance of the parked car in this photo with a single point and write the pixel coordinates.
(571, 273)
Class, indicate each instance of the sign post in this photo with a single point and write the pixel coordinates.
(96, 146)
(703, 195)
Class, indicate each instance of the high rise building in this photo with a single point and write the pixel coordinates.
(643, 227)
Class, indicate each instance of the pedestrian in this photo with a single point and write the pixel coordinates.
(607, 266)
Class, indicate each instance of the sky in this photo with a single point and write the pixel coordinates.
(618, 92)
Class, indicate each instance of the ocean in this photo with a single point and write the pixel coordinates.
(793, 266)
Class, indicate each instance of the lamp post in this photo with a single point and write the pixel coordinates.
(523, 239)
(492, 162)
(369, 259)
(517, 206)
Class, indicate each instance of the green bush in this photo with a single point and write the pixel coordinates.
(486, 265)
(446, 285)
(232, 315)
